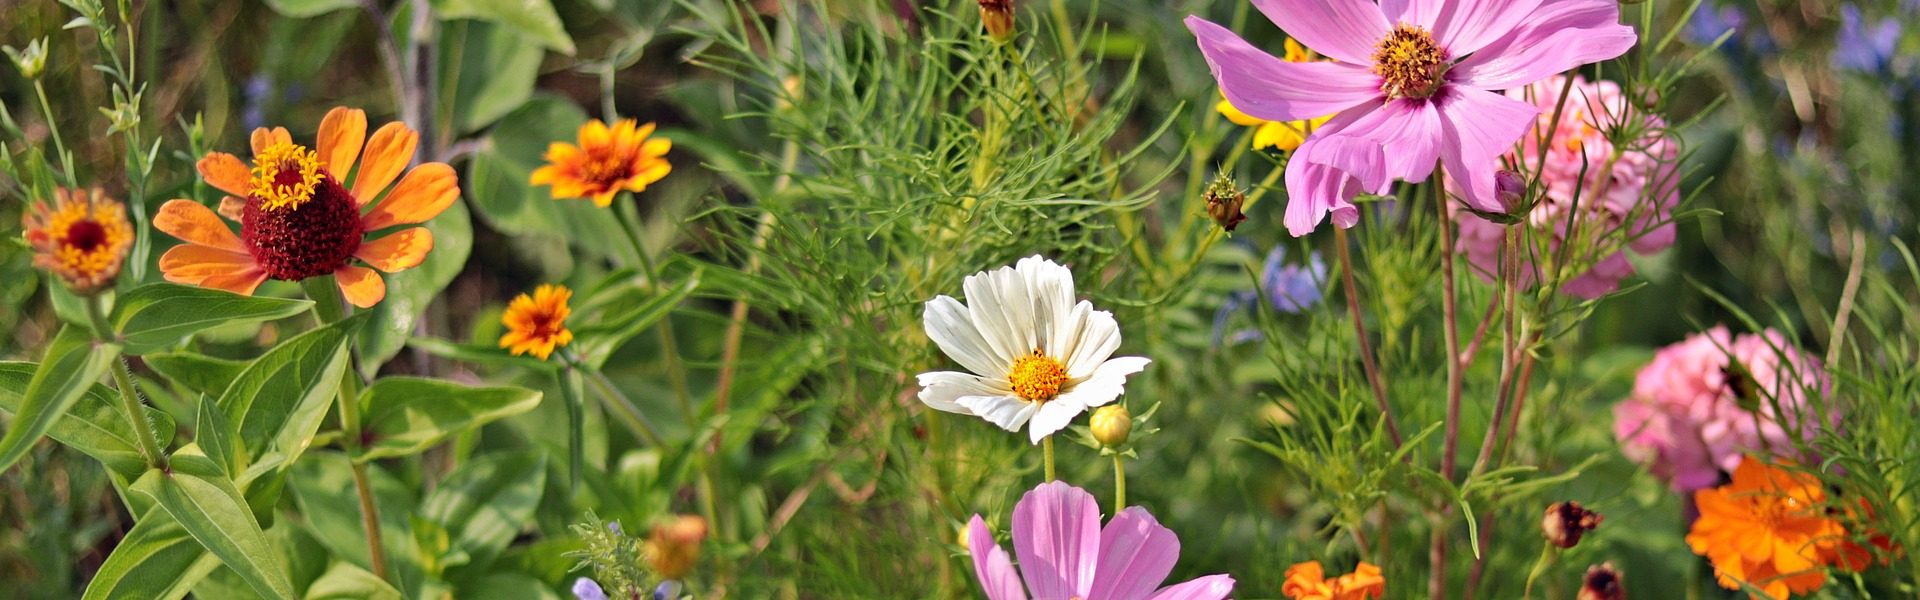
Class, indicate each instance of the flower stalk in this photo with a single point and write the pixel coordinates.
(143, 433)
(330, 308)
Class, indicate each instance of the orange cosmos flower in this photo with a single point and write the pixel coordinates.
(538, 323)
(1769, 529)
(606, 162)
(1306, 581)
(81, 238)
(303, 213)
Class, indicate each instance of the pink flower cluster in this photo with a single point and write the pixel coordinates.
(1628, 197)
(1704, 402)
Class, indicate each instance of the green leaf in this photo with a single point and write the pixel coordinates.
(197, 372)
(157, 559)
(638, 310)
(508, 586)
(95, 424)
(278, 402)
(212, 511)
(532, 18)
(406, 415)
(72, 365)
(409, 292)
(347, 582)
(157, 316)
(322, 486)
(494, 71)
(309, 8)
(214, 434)
(486, 502)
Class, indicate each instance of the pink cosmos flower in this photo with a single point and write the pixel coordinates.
(1409, 85)
(1705, 402)
(1630, 196)
(1066, 554)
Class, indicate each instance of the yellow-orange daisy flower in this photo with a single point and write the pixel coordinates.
(82, 238)
(304, 213)
(1307, 581)
(607, 162)
(537, 324)
(674, 546)
(1769, 529)
(1284, 136)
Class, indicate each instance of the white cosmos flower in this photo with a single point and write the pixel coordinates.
(1034, 354)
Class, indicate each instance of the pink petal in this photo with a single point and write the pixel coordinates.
(1264, 86)
(1561, 35)
(1480, 126)
(1056, 535)
(1344, 30)
(1136, 554)
(1211, 587)
(1422, 13)
(1465, 26)
(1315, 189)
(991, 565)
(1409, 130)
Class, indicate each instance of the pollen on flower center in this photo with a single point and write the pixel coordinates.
(285, 175)
(1037, 377)
(1409, 63)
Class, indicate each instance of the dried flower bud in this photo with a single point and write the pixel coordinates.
(1111, 424)
(674, 546)
(31, 61)
(1565, 522)
(1603, 583)
(997, 15)
(1224, 201)
(1511, 190)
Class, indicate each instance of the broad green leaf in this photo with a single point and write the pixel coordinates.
(532, 18)
(491, 71)
(197, 372)
(157, 559)
(157, 316)
(95, 424)
(73, 363)
(486, 502)
(409, 292)
(406, 415)
(623, 320)
(278, 402)
(212, 511)
(214, 434)
(309, 8)
(347, 582)
(496, 181)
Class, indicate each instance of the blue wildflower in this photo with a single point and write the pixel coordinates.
(588, 589)
(1865, 47)
(1288, 288)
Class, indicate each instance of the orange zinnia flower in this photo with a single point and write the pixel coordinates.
(674, 546)
(1769, 529)
(81, 238)
(607, 162)
(538, 323)
(1306, 581)
(303, 213)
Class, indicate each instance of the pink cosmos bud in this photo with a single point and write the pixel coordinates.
(1511, 189)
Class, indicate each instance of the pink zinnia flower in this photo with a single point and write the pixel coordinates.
(1409, 85)
(1705, 402)
(1064, 553)
(1629, 197)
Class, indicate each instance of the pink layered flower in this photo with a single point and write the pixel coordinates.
(1409, 84)
(1705, 402)
(1627, 195)
(1065, 553)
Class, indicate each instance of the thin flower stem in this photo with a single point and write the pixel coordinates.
(329, 308)
(1436, 585)
(1046, 450)
(1119, 483)
(1837, 336)
(623, 407)
(1509, 345)
(669, 344)
(150, 448)
(1374, 379)
(576, 425)
(53, 128)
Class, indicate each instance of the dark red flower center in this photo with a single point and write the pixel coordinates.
(315, 237)
(85, 235)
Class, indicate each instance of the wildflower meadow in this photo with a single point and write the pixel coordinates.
(1004, 299)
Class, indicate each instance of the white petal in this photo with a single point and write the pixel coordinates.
(1106, 383)
(1008, 412)
(1050, 287)
(942, 389)
(1000, 307)
(952, 328)
(1054, 416)
(1099, 336)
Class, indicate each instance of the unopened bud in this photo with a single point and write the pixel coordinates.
(997, 15)
(1111, 424)
(1603, 583)
(1511, 190)
(1224, 201)
(31, 61)
(1565, 522)
(674, 546)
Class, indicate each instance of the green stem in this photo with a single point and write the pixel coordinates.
(1539, 566)
(53, 128)
(576, 426)
(330, 308)
(129, 394)
(1046, 449)
(669, 345)
(1119, 483)
(622, 406)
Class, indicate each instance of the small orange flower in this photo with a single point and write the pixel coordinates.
(607, 162)
(538, 323)
(82, 238)
(1306, 581)
(675, 545)
(1769, 529)
(304, 213)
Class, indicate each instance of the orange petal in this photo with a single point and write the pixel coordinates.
(192, 264)
(595, 134)
(195, 224)
(656, 146)
(387, 155)
(242, 283)
(427, 191)
(263, 138)
(362, 285)
(226, 173)
(398, 252)
(342, 133)
(233, 208)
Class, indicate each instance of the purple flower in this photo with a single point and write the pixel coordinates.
(1065, 553)
(1413, 76)
(1863, 47)
(1289, 288)
(588, 589)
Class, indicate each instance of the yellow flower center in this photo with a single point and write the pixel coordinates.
(285, 176)
(1037, 377)
(1409, 62)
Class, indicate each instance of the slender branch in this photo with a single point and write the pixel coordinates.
(1436, 584)
(1374, 379)
(1837, 336)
